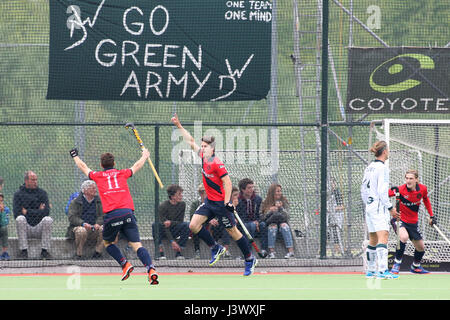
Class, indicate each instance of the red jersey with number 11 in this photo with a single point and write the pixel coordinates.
(113, 188)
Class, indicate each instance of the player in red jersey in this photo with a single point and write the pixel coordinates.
(118, 210)
(411, 194)
(218, 203)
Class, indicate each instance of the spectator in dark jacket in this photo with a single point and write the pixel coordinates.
(86, 219)
(248, 208)
(171, 221)
(31, 210)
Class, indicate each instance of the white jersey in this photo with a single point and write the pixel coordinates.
(375, 185)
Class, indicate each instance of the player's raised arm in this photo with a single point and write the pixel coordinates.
(80, 163)
(186, 135)
(140, 163)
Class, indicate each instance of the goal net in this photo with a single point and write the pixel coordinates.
(423, 145)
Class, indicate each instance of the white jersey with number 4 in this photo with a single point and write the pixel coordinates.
(374, 193)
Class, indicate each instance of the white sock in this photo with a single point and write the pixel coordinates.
(382, 257)
(371, 258)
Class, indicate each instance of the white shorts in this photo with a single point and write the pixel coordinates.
(377, 217)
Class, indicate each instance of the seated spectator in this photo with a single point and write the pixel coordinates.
(86, 219)
(248, 208)
(72, 196)
(31, 210)
(275, 213)
(171, 223)
(4, 221)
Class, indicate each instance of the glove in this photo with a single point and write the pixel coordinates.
(433, 220)
(396, 191)
(229, 206)
(74, 152)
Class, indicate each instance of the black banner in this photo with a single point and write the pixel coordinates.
(398, 80)
(173, 50)
(429, 265)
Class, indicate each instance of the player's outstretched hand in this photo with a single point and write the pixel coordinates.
(176, 121)
(74, 152)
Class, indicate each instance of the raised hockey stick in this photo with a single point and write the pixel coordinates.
(141, 144)
(250, 238)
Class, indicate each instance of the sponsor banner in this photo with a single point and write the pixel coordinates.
(172, 50)
(398, 80)
(428, 264)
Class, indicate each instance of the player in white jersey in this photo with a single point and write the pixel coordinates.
(375, 195)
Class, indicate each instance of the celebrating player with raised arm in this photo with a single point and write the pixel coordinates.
(118, 210)
(374, 193)
(412, 193)
(218, 188)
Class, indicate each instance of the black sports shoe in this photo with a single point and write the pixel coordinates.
(23, 254)
(45, 254)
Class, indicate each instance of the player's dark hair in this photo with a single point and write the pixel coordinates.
(378, 148)
(2, 196)
(173, 189)
(244, 183)
(107, 160)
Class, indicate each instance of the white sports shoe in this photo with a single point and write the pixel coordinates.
(289, 255)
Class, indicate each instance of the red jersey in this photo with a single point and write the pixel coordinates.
(113, 188)
(213, 170)
(410, 202)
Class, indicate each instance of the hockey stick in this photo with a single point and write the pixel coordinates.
(250, 238)
(397, 223)
(141, 144)
(441, 233)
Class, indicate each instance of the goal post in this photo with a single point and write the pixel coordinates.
(423, 145)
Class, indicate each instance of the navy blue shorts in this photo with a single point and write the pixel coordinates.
(413, 230)
(213, 209)
(120, 220)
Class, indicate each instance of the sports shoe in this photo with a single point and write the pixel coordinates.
(23, 254)
(371, 274)
(386, 275)
(45, 255)
(153, 277)
(289, 255)
(179, 256)
(395, 268)
(126, 270)
(250, 266)
(418, 270)
(216, 254)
